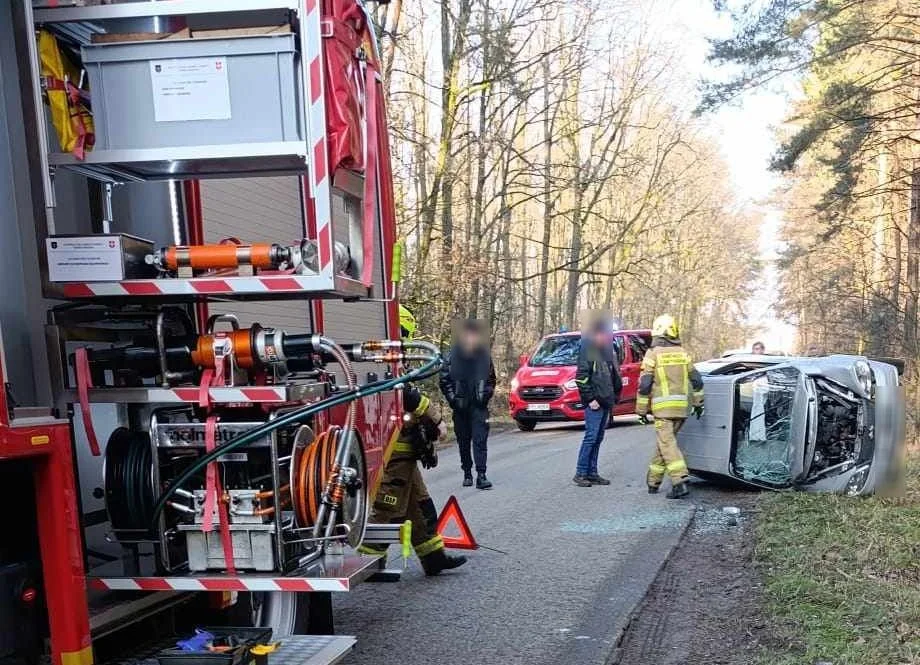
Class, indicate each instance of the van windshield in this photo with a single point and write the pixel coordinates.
(557, 351)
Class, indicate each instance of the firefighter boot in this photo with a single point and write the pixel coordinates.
(483, 483)
(678, 491)
(439, 560)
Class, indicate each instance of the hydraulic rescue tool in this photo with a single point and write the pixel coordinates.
(200, 482)
(254, 348)
(243, 258)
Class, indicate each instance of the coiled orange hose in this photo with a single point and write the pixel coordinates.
(314, 467)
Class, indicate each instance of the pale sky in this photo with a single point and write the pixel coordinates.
(746, 132)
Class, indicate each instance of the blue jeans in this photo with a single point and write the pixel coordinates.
(595, 426)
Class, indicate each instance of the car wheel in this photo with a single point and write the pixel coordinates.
(526, 425)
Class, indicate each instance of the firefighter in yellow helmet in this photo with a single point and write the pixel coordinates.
(402, 494)
(670, 387)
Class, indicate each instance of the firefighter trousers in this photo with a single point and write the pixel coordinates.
(667, 459)
(403, 496)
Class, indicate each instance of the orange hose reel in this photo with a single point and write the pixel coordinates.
(314, 468)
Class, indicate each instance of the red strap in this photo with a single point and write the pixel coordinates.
(79, 148)
(211, 479)
(84, 383)
(370, 173)
(204, 389)
(54, 84)
(214, 493)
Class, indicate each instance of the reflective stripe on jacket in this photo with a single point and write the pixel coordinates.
(669, 384)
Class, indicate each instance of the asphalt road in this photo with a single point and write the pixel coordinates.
(576, 560)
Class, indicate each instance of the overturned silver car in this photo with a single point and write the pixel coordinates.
(826, 424)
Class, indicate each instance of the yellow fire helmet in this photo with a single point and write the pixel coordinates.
(407, 322)
(665, 326)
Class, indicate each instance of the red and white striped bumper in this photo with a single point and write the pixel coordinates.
(228, 583)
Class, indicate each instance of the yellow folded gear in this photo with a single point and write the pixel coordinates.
(70, 116)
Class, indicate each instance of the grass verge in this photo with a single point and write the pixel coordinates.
(842, 576)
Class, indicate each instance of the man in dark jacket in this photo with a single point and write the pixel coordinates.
(468, 382)
(599, 384)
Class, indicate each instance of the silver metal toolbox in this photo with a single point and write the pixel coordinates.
(194, 92)
(98, 258)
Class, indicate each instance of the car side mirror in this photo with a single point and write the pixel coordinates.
(524, 358)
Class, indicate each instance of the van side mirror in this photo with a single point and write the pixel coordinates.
(524, 358)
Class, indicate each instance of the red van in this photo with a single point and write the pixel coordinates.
(544, 390)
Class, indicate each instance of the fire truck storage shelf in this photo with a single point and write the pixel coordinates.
(263, 287)
(141, 134)
(285, 394)
(332, 573)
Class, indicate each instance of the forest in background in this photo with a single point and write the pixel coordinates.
(547, 161)
(850, 268)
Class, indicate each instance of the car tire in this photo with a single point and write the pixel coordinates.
(526, 425)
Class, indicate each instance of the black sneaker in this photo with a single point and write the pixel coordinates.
(483, 483)
(678, 491)
(439, 560)
(652, 489)
(581, 481)
(598, 480)
(467, 479)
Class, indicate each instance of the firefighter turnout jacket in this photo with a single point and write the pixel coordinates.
(419, 433)
(669, 384)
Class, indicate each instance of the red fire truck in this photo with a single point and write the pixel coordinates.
(214, 242)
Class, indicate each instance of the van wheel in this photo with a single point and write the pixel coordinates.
(526, 425)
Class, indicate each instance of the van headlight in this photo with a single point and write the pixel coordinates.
(857, 481)
(571, 384)
(865, 376)
(514, 384)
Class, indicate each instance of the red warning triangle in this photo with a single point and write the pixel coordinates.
(452, 514)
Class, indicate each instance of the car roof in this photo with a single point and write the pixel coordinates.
(573, 333)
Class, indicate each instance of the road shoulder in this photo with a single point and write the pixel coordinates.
(704, 606)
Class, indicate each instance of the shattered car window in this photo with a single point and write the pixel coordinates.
(763, 425)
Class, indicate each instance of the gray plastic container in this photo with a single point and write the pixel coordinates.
(261, 72)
